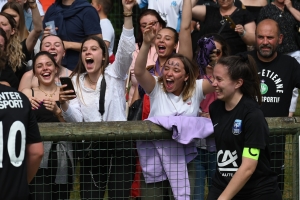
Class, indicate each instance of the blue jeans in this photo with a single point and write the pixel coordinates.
(205, 165)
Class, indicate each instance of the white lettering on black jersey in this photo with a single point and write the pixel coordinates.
(15, 160)
(228, 162)
(11, 100)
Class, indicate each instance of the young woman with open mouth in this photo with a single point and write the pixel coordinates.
(55, 46)
(100, 89)
(175, 92)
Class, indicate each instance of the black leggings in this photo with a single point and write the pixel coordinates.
(109, 167)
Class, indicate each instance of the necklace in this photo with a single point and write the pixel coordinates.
(91, 82)
(281, 10)
(50, 95)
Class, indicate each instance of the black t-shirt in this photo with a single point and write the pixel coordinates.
(244, 126)
(278, 79)
(18, 128)
(213, 24)
(13, 78)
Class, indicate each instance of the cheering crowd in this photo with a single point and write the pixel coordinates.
(209, 70)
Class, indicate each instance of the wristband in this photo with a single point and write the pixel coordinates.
(252, 153)
(243, 34)
(127, 14)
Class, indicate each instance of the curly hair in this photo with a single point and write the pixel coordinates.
(14, 47)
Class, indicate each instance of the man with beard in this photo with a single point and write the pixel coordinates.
(287, 14)
(279, 75)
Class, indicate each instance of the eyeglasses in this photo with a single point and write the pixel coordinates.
(143, 25)
(218, 52)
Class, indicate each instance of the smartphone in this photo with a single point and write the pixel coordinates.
(67, 81)
(51, 25)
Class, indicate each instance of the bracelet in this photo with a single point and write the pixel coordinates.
(243, 34)
(127, 14)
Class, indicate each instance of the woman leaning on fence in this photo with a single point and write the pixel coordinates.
(176, 92)
(100, 89)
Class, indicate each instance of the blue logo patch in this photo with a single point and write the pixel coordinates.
(237, 127)
(174, 3)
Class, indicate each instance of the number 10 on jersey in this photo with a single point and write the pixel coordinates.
(11, 143)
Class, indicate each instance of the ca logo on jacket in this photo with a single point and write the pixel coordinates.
(228, 164)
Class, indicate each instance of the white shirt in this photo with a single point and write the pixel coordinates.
(85, 107)
(169, 10)
(108, 34)
(167, 104)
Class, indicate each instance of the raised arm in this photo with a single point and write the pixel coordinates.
(199, 12)
(126, 44)
(296, 13)
(185, 40)
(37, 26)
(247, 32)
(145, 79)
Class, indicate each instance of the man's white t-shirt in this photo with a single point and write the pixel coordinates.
(169, 10)
(108, 34)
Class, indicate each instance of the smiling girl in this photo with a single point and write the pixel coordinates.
(241, 134)
(45, 105)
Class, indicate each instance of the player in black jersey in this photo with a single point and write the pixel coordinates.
(241, 134)
(21, 148)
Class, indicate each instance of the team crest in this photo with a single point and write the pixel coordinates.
(263, 87)
(237, 127)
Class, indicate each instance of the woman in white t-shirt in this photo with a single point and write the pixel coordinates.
(177, 92)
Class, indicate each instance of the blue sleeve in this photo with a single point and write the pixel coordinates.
(143, 3)
(91, 25)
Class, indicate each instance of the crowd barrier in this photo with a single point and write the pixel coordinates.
(114, 132)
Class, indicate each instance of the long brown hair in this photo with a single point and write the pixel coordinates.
(80, 68)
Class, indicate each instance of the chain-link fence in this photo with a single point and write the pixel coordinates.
(104, 159)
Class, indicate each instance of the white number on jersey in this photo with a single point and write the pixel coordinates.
(11, 143)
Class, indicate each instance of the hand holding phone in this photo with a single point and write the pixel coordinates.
(67, 86)
(51, 26)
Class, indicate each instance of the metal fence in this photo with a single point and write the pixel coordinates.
(111, 140)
